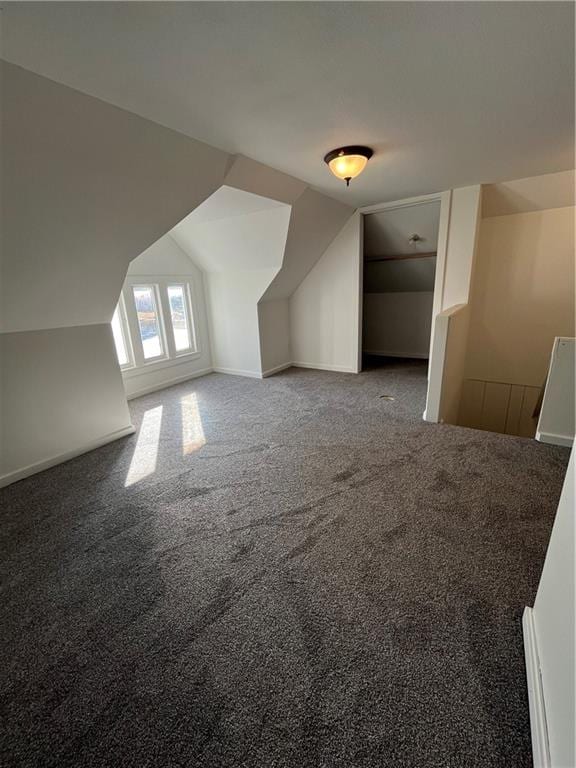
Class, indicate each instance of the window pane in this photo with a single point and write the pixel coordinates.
(148, 321)
(119, 339)
(179, 315)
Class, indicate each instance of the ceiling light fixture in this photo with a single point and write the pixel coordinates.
(348, 162)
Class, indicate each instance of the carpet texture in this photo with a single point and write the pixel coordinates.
(291, 572)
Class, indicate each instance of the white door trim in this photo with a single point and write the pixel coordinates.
(538, 727)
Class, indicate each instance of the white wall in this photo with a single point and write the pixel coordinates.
(233, 311)
(62, 394)
(86, 188)
(391, 275)
(314, 223)
(557, 423)
(555, 624)
(290, 232)
(398, 323)
(240, 254)
(457, 246)
(325, 309)
(165, 258)
(461, 245)
(454, 360)
(274, 325)
(239, 248)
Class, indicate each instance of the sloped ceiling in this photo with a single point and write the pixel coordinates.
(314, 223)
(227, 202)
(448, 94)
(388, 233)
(86, 188)
(554, 190)
(239, 230)
(235, 231)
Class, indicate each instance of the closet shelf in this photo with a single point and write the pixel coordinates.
(400, 257)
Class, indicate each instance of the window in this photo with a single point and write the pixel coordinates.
(153, 324)
(148, 321)
(120, 336)
(179, 317)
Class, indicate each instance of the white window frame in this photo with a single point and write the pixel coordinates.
(135, 325)
(126, 335)
(188, 308)
(170, 356)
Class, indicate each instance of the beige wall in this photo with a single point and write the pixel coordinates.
(522, 295)
(535, 193)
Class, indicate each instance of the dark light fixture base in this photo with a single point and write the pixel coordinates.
(351, 159)
(352, 150)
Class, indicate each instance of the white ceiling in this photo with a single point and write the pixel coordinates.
(447, 94)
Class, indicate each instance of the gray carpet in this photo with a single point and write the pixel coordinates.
(299, 573)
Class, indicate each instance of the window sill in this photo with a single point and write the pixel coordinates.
(158, 365)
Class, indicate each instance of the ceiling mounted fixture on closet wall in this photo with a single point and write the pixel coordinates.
(348, 162)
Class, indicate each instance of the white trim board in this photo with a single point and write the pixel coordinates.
(380, 353)
(254, 374)
(246, 373)
(322, 367)
(159, 365)
(40, 466)
(538, 728)
(168, 383)
(406, 203)
(276, 369)
(549, 437)
(238, 372)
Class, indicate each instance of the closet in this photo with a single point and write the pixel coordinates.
(399, 270)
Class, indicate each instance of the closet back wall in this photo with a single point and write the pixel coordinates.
(399, 280)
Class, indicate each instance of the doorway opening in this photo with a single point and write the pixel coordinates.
(399, 263)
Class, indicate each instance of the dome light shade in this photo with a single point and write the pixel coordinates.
(348, 162)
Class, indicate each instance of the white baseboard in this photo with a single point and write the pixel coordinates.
(168, 383)
(277, 369)
(380, 353)
(538, 728)
(549, 437)
(40, 466)
(322, 367)
(239, 372)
